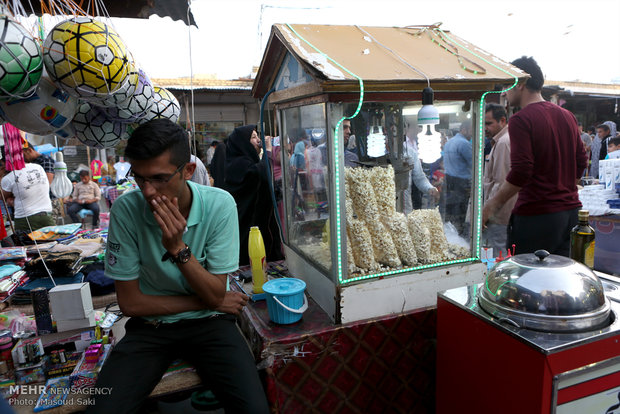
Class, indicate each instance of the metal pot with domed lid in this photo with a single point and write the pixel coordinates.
(545, 292)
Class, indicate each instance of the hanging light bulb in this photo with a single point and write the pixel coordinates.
(429, 140)
(61, 185)
(429, 145)
(376, 142)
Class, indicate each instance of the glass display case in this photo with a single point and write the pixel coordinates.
(396, 203)
(380, 206)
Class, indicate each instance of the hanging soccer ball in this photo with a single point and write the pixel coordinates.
(165, 105)
(20, 60)
(95, 129)
(126, 90)
(136, 107)
(47, 110)
(86, 58)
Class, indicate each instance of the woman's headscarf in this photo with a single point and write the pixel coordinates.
(612, 128)
(297, 160)
(241, 157)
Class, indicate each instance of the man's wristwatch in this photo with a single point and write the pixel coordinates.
(182, 256)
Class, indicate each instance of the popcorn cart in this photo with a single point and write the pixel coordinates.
(350, 229)
(372, 221)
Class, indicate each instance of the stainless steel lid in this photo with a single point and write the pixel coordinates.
(545, 292)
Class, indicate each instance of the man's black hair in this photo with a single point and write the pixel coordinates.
(214, 143)
(529, 66)
(613, 141)
(157, 136)
(497, 110)
(84, 173)
(605, 127)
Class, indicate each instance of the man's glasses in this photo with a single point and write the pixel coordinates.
(156, 181)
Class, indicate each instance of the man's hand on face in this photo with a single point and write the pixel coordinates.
(233, 303)
(171, 222)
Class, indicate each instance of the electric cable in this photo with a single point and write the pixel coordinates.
(397, 55)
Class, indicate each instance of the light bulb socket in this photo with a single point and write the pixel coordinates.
(427, 96)
(428, 114)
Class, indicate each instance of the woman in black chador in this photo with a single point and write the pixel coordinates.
(248, 182)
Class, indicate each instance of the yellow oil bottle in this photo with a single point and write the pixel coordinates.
(258, 261)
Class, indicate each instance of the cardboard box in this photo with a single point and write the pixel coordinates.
(63, 325)
(72, 301)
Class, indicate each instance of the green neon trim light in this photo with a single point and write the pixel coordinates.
(481, 134)
(337, 151)
(409, 269)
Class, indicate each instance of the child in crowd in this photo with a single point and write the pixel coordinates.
(613, 148)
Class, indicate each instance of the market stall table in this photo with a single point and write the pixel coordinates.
(377, 365)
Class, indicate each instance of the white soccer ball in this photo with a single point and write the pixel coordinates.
(137, 106)
(165, 105)
(95, 129)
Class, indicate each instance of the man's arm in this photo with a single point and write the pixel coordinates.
(209, 287)
(506, 191)
(133, 302)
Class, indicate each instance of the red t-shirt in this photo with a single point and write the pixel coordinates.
(546, 158)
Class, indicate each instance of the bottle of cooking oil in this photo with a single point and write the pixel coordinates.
(258, 261)
(582, 241)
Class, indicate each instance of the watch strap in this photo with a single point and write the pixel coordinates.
(182, 256)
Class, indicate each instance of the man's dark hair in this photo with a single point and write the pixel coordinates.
(529, 66)
(604, 127)
(155, 137)
(214, 143)
(498, 111)
(84, 173)
(613, 141)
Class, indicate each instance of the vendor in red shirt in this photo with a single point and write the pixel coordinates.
(546, 159)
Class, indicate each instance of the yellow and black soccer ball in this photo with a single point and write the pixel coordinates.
(86, 58)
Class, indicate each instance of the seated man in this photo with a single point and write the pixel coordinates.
(86, 195)
(170, 247)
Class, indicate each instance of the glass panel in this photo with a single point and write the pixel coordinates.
(407, 187)
(306, 179)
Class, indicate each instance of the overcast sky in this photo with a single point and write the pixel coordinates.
(571, 39)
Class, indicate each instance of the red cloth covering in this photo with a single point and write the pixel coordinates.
(2, 228)
(13, 148)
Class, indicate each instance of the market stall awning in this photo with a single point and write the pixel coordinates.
(383, 56)
(175, 9)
